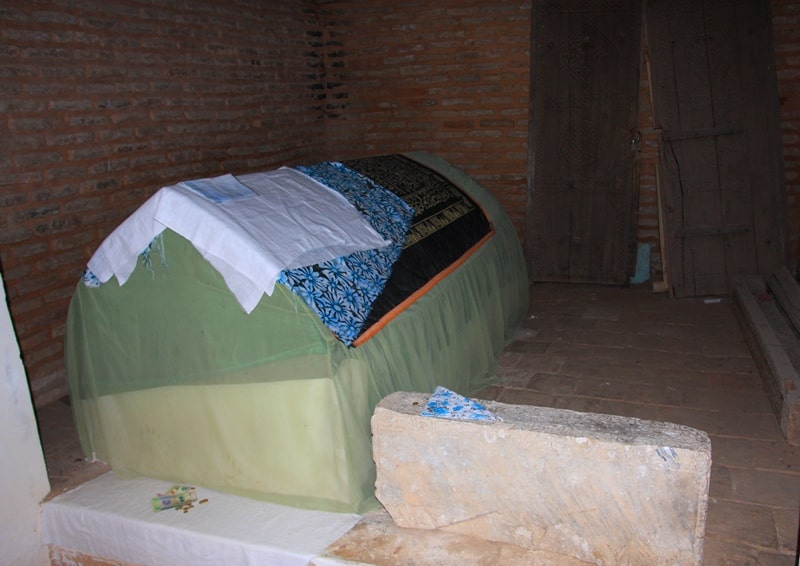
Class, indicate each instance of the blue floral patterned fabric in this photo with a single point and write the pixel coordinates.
(341, 291)
(91, 280)
(446, 404)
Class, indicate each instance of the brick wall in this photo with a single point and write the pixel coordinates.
(104, 102)
(449, 77)
(647, 217)
(452, 77)
(786, 37)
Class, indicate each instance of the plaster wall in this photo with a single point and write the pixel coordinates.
(23, 475)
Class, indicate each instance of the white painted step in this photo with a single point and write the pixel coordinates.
(114, 519)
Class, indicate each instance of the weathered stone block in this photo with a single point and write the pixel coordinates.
(604, 489)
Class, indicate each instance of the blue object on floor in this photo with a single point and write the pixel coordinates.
(642, 264)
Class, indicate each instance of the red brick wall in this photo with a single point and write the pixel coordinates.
(452, 78)
(647, 217)
(102, 103)
(449, 77)
(786, 38)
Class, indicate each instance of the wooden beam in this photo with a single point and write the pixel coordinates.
(786, 290)
(778, 374)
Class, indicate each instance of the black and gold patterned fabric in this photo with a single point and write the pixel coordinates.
(447, 224)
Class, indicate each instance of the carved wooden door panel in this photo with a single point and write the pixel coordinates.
(583, 188)
(715, 102)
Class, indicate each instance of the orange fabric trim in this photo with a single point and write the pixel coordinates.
(389, 316)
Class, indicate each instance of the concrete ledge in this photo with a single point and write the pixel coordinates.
(600, 488)
(110, 521)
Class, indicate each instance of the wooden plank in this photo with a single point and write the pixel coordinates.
(723, 46)
(778, 375)
(762, 122)
(550, 198)
(707, 261)
(736, 220)
(665, 21)
(671, 218)
(786, 290)
(692, 82)
(716, 103)
(740, 263)
(703, 133)
(701, 215)
(584, 85)
(716, 230)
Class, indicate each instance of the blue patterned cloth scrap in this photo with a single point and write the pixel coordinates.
(446, 404)
(90, 279)
(341, 291)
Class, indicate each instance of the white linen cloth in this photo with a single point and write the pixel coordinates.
(113, 518)
(291, 221)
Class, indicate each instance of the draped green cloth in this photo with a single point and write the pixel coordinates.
(171, 379)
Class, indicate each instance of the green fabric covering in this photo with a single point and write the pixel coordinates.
(171, 379)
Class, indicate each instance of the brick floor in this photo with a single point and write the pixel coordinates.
(634, 353)
(66, 465)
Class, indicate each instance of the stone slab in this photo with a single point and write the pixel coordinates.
(603, 489)
(378, 541)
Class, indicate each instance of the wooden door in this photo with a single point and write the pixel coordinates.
(721, 177)
(583, 187)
